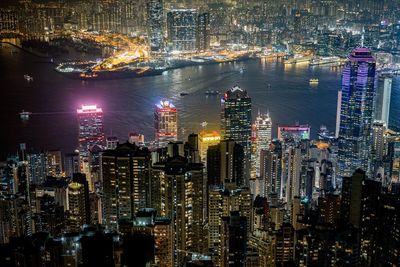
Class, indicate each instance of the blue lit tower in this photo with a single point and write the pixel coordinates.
(356, 112)
(236, 121)
(155, 24)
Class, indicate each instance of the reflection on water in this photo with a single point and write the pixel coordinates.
(283, 90)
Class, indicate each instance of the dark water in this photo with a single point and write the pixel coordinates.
(128, 105)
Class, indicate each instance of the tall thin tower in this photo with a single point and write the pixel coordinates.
(236, 121)
(356, 112)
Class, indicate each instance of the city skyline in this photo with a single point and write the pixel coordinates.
(177, 133)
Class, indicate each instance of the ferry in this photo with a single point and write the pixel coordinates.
(24, 115)
(28, 78)
(212, 92)
(314, 81)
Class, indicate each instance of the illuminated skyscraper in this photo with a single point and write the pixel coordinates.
(54, 163)
(76, 206)
(37, 167)
(236, 121)
(382, 103)
(261, 138)
(291, 170)
(206, 139)
(356, 112)
(90, 119)
(271, 169)
(182, 29)
(203, 32)
(221, 203)
(155, 24)
(378, 139)
(165, 122)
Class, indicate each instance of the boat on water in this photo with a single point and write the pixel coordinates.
(183, 94)
(314, 81)
(25, 115)
(242, 70)
(28, 78)
(210, 92)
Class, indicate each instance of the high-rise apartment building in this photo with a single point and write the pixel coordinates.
(76, 206)
(155, 20)
(178, 193)
(271, 168)
(261, 138)
(203, 31)
(356, 112)
(125, 173)
(291, 171)
(225, 164)
(182, 29)
(378, 140)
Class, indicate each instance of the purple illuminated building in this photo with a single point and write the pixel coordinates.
(91, 133)
(356, 112)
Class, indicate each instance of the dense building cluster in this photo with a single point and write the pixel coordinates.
(233, 197)
(240, 198)
(329, 27)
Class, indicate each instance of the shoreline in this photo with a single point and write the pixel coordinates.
(36, 54)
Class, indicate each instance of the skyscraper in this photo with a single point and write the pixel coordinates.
(261, 137)
(207, 139)
(291, 170)
(378, 140)
(203, 31)
(356, 112)
(182, 29)
(382, 103)
(165, 122)
(236, 122)
(271, 169)
(76, 206)
(155, 24)
(90, 119)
